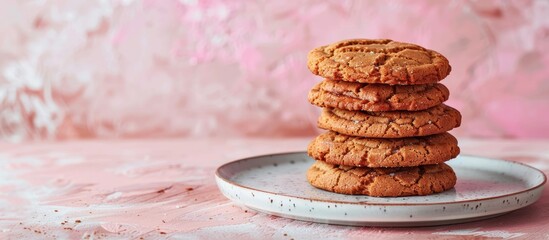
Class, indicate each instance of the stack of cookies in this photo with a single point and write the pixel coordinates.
(387, 124)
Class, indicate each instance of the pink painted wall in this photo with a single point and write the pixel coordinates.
(81, 69)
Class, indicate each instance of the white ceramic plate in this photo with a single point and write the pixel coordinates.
(276, 184)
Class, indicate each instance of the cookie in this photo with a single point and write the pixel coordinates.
(377, 97)
(335, 148)
(378, 61)
(394, 124)
(382, 182)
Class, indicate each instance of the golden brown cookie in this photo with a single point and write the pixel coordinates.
(382, 182)
(377, 97)
(378, 61)
(394, 124)
(335, 148)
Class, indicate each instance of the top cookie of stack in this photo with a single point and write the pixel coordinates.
(378, 61)
(383, 107)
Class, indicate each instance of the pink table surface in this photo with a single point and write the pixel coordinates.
(154, 189)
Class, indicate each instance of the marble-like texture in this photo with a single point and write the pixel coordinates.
(165, 188)
(150, 68)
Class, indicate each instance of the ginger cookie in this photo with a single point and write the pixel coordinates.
(335, 148)
(382, 182)
(378, 61)
(377, 97)
(394, 124)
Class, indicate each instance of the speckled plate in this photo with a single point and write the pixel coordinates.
(276, 184)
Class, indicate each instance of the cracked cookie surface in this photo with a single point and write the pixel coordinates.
(377, 97)
(393, 124)
(378, 61)
(340, 149)
(382, 182)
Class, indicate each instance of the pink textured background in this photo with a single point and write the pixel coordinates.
(83, 69)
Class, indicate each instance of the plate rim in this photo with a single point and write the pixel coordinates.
(365, 203)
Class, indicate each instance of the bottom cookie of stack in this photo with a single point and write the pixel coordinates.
(382, 182)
